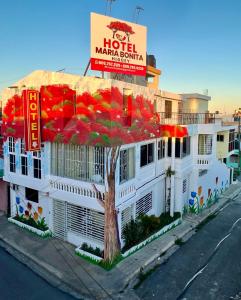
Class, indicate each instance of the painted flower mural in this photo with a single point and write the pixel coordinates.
(26, 214)
(97, 118)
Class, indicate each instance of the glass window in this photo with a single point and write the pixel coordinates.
(147, 154)
(178, 148)
(12, 163)
(31, 195)
(24, 165)
(37, 168)
(78, 162)
(127, 166)
(161, 149)
(169, 147)
(168, 109)
(11, 144)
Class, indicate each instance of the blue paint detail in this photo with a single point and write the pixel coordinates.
(17, 200)
(191, 202)
(21, 209)
(193, 194)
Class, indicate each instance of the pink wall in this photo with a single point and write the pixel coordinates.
(3, 196)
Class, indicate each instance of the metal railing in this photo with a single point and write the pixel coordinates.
(186, 118)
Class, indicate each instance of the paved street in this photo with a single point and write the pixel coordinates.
(220, 270)
(17, 282)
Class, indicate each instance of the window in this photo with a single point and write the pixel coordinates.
(37, 168)
(168, 109)
(204, 144)
(24, 159)
(161, 149)
(169, 147)
(31, 195)
(11, 145)
(147, 154)
(23, 147)
(178, 148)
(127, 167)
(78, 162)
(231, 145)
(186, 146)
(24, 165)
(184, 186)
(12, 163)
(220, 138)
(144, 205)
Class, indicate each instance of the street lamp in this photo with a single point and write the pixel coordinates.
(237, 117)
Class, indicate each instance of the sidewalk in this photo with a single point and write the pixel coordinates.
(56, 262)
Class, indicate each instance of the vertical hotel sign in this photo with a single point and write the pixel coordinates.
(32, 120)
(117, 46)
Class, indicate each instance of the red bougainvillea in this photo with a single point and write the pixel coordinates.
(97, 118)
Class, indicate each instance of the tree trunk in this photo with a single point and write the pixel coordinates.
(111, 235)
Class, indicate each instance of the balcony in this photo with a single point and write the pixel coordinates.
(186, 118)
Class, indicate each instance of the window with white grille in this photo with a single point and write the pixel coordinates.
(24, 159)
(78, 162)
(126, 216)
(11, 145)
(144, 205)
(86, 222)
(205, 143)
(127, 164)
(161, 149)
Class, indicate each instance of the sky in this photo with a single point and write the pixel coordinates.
(197, 43)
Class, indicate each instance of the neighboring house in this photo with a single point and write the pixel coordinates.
(81, 118)
(4, 207)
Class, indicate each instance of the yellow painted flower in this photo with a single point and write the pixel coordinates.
(35, 216)
(40, 210)
(199, 191)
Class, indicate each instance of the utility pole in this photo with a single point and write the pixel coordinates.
(237, 115)
(136, 14)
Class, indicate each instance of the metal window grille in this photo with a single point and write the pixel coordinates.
(144, 205)
(24, 165)
(127, 167)
(205, 144)
(23, 147)
(86, 222)
(78, 162)
(127, 215)
(37, 168)
(12, 163)
(11, 144)
(161, 149)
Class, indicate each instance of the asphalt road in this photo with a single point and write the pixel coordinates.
(208, 264)
(17, 282)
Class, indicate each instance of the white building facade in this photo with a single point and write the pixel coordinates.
(63, 183)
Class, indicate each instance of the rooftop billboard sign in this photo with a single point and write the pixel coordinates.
(117, 46)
